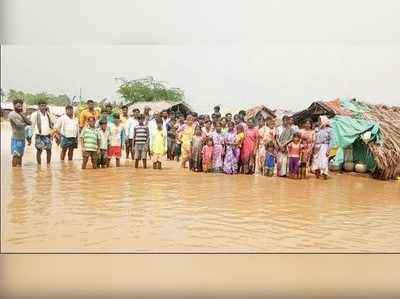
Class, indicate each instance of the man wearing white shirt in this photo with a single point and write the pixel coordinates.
(42, 125)
(165, 118)
(67, 128)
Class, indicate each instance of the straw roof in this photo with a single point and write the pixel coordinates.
(387, 155)
(314, 111)
(157, 107)
(258, 111)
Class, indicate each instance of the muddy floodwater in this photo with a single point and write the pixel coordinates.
(65, 209)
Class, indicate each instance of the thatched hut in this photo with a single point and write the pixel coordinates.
(313, 112)
(387, 155)
(259, 112)
(159, 106)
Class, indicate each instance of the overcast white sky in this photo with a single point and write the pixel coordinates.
(282, 53)
(279, 76)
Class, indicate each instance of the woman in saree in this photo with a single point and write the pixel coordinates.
(323, 143)
(307, 139)
(230, 159)
(218, 150)
(249, 146)
(284, 135)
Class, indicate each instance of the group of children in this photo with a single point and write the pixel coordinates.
(106, 142)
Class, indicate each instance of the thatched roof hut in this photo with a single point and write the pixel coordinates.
(258, 112)
(159, 106)
(387, 155)
(313, 112)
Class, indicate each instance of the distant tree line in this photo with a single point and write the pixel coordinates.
(132, 91)
(33, 98)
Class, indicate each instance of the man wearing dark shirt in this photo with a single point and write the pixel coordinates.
(18, 124)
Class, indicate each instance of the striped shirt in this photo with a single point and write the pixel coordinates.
(140, 134)
(89, 137)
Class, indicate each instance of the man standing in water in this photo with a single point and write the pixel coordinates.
(18, 123)
(68, 130)
(85, 114)
(42, 125)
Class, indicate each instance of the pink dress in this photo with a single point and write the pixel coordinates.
(207, 153)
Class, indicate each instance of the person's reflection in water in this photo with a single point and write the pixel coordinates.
(17, 207)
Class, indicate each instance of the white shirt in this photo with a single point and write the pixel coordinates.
(115, 134)
(131, 124)
(68, 127)
(44, 121)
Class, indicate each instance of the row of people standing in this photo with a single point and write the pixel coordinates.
(236, 146)
(220, 144)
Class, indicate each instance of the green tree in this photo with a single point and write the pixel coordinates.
(32, 99)
(148, 90)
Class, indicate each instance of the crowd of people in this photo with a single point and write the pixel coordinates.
(229, 144)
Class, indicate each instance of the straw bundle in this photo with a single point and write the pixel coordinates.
(387, 155)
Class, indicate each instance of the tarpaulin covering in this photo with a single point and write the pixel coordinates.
(356, 132)
(358, 109)
(336, 106)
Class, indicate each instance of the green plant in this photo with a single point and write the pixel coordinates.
(148, 90)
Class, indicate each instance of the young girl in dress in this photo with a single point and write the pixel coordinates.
(270, 159)
(218, 142)
(294, 150)
(308, 140)
(158, 146)
(207, 153)
(197, 146)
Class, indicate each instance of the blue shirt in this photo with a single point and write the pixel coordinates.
(269, 160)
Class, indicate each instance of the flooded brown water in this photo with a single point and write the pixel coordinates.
(65, 209)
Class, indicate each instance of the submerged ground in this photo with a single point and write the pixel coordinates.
(65, 209)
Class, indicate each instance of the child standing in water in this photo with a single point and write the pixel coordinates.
(270, 159)
(140, 142)
(104, 135)
(207, 153)
(197, 146)
(186, 132)
(117, 139)
(294, 152)
(158, 144)
(90, 142)
(218, 142)
(178, 144)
